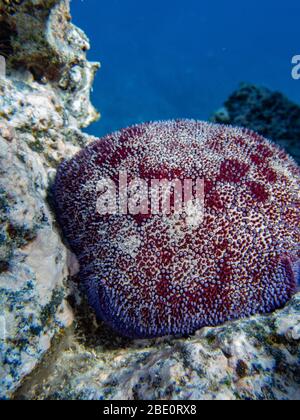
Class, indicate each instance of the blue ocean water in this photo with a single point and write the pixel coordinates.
(166, 59)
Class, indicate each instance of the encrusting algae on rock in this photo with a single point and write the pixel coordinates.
(44, 101)
(156, 274)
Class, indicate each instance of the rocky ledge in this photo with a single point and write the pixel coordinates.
(269, 113)
(256, 358)
(51, 346)
(44, 102)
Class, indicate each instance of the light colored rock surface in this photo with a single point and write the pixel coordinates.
(40, 120)
(256, 358)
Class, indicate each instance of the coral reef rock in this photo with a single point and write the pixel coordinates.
(257, 358)
(44, 101)
(268, 113)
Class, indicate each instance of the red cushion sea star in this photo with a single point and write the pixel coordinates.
(151, 274)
